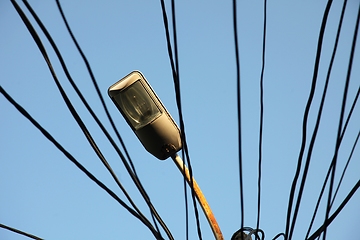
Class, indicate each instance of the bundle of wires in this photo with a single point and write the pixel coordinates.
(304, 157)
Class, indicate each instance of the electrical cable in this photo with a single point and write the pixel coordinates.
(345, 168)
(279, 235)
(63, 94)
(318, 119)
(174, 73)
(74, 161)
(329, 169)
(337, 211)
(93, 79)
(255, 233)
(19, 231)
(167, 35)
(261, 115)
(181, 119)
(323, 189)
(334, 161)
(305, 118)
(153, 212)
(134, 178)
(174, 67)
(92, 113)
(237, 58)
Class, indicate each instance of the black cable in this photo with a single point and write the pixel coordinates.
(168, 43)
(167, 34)
(63, 94)
(237, 58)
(323, 188)
(305, 118)
(350, 112)
(279, 235)
(318, 119)
(348, 161)
(170, 54)
(261, 115)
(174, 66)
(95, 85)
(77, 118)
(153, 212)
(333, 163)
(134, 178)
(73, 159)
(334, 215)
(19, 231)
(176, 80)
(329, 169)
(181, 119)
(256, 232)
(345, 168)
(328, 173)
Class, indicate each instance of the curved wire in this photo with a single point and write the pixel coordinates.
(153, 212)
(331, 62)
(238, 100)
(134, 178)
(74, 161)
(175, 73)
(345, 168)
(304, 127)
(255, 233)
(343, 105)
(334, 215)
(66, 99)
(329, 169)
(279, 235)
(185, 152)
(19, 231)
(87, 134)
(261, 115)
(93, 79)
(314, 134)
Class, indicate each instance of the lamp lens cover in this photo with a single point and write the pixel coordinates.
(137, 105)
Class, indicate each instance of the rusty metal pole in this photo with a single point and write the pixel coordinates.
(200, 197)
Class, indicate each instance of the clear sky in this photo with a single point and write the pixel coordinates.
(43, 193)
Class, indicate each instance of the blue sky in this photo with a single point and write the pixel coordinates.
(43, 193)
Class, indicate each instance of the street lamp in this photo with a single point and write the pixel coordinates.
(146, 115)
(156, 129)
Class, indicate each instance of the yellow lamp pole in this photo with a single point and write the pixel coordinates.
(200, 197)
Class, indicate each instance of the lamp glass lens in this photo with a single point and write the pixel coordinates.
(138, 106)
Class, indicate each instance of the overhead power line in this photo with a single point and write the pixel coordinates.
(175, 72)
(131, 171)
(19, 231)
(73, 160)
(261, 113)
(63, 94)
(341, 118)
(238, 101)
(289, 228)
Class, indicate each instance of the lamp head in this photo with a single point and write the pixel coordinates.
(146, 115)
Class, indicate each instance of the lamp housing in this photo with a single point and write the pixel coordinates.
(146, 115)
